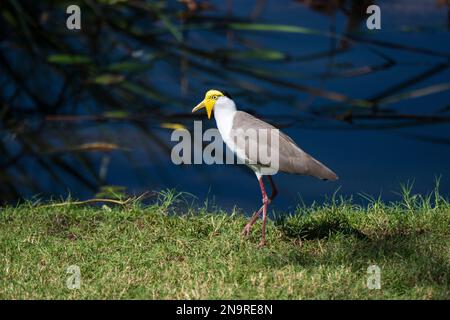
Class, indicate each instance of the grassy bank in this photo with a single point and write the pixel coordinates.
(146, 252)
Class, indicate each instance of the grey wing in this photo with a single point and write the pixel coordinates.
(291, 158)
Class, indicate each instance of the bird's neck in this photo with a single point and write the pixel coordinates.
(224, 108)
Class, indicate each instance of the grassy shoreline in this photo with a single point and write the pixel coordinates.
(145, 252)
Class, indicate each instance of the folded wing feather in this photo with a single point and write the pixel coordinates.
(292, 159)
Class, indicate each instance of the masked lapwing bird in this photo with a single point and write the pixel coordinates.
(259, 136)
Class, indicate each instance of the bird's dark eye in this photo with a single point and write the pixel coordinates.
(215, 97)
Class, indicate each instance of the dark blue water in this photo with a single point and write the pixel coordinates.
(370, 156)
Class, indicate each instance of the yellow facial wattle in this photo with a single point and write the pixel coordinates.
(208, 103)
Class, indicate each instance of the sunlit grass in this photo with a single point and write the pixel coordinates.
(148, 252)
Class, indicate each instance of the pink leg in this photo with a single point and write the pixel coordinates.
(265, 200)
(251, 222)
(274, 189)
(255, 216)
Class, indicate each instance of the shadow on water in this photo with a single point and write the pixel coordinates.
(81, 110)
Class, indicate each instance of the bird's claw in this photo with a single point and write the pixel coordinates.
(246, 231)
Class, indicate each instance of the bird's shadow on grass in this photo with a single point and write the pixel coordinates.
(314, 230)
(334, 242)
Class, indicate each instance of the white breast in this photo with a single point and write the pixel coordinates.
(224, 112)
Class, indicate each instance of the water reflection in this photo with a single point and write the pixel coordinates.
(82, 110)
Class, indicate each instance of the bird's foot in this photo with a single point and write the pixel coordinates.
(246, 231)
(262, 243)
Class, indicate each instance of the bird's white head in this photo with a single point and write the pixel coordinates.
(210, 100)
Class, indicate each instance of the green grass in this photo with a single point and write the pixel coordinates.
(136, 251)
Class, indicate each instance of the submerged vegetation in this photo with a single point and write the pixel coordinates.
(147, 252)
